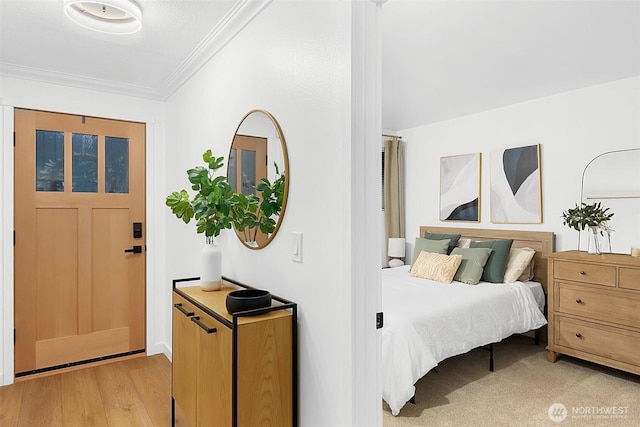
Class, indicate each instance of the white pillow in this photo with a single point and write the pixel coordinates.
(528, 272)
(464, 243)
(519, 260)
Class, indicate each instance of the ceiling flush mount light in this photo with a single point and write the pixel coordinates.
(107, 16)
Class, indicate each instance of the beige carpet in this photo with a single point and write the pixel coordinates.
(524, 385)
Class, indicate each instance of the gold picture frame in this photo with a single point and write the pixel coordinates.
(460, 190)
(516, 185)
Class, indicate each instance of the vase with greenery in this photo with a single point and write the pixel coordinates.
(592, 216)
(259, 212)
(212, 206)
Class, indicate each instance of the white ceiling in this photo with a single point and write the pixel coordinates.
(441, 59)
(37, 40)
(445, 59)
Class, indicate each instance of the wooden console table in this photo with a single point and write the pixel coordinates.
(235, 370)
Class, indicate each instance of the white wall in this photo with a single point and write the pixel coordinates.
(51, 97)
(572, 128)
(293, 60)
(315, 67)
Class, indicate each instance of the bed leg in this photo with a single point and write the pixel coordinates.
(536, 337)
(491, 357)
(489, 348)
(413, 399)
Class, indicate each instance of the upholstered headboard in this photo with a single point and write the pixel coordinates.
(542, 241)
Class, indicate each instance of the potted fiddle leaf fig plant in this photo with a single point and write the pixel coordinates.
(272, 198)
(212, 207)
(245, 216)
(593, 216)
(253, 213)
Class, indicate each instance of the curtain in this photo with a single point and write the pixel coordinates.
(393, 189)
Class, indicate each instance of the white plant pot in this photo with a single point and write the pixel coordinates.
(211, 266)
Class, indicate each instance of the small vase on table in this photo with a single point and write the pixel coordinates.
(594, 241)
(210, 266)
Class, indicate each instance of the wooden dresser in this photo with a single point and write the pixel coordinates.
(594, 308)
(232, 370)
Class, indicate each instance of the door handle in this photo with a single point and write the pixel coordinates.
(137, 249)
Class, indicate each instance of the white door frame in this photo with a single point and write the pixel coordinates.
(366, 128)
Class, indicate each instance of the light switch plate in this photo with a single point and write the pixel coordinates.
(296, 247)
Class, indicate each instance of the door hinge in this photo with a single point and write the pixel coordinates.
(14, 335)
(379, 320)
(14, 237)
(14, 139)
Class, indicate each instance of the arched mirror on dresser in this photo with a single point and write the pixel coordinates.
(258, 169)
(613, 179)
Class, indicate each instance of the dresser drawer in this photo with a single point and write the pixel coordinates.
(630, 278)
(588, 273)
(612, 343)
(607, 306)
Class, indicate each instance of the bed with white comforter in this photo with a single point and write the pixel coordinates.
(426, 322)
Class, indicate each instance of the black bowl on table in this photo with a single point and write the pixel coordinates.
(247, 299)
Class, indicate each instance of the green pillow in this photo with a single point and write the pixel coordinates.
(427, 245)
(453, 239)
(472, 265)
(497, 263)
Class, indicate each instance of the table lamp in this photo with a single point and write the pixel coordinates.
(395, 251)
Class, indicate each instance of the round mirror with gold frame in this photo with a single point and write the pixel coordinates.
(258, 170)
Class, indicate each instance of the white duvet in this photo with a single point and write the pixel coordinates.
(426, 322)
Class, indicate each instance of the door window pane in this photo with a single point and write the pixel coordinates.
(248, 172)
(231, 172)
(49, 160)
(116, 153)
(84, 165)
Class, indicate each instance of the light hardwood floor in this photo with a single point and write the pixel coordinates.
(134, 392)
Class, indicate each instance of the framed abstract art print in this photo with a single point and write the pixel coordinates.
(460, 187)
(516, 195)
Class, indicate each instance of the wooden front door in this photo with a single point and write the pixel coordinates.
(247, 166)
(79, 189)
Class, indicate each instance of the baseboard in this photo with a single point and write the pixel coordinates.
(160, 348)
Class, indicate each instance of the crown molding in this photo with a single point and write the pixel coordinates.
(229, 26)
(75, 80)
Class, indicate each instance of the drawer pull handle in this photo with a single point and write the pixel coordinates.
(583, 272)
(196, 320)
(578, 335)
(182, 310)
(578, 300)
